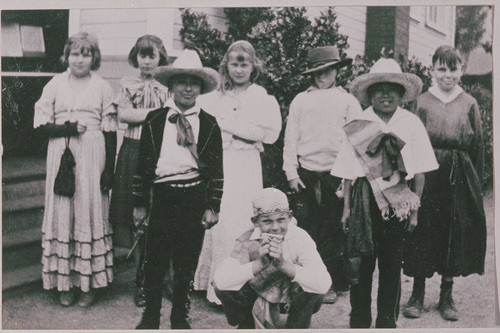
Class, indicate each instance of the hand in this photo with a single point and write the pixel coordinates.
(276, 251)
(345, 217)
(264, 251)
(296, 185)
(209, 219)
(139, 214)
(106, 181)
(412, 222)
(81, 127)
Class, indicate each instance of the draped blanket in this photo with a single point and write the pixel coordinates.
(379, 154)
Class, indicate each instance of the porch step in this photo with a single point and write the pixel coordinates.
(20, 190)
(22, 276)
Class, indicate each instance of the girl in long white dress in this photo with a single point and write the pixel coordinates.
(248, 117)
(76, 236)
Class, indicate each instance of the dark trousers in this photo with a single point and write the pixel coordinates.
(388, 239)
(238, 306)
(175, 231)
(318, 211)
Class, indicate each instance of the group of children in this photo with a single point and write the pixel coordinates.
(366, 183)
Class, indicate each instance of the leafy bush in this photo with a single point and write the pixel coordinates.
(282, 37)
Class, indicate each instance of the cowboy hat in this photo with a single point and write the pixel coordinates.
(188, 63)
(325, 56)
(386, 70)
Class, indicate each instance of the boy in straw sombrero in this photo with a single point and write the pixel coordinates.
(313, 138)
(386, 147)
(274, 277)
(178, 184)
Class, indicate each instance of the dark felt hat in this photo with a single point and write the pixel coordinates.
(325, 56)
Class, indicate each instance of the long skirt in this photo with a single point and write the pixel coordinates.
(122, 200)
(242, 181)
(450, 237)
(76, 237)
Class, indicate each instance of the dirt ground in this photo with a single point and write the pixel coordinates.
(33, 308)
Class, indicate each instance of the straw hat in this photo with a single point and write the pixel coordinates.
(270, 200)
(386, 70)
(188, 63)
(325, 56)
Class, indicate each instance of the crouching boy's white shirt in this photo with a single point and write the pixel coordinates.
(298, 248)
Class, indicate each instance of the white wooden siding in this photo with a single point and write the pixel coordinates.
(424, 40)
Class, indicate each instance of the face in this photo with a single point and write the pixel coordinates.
(148, 62)
(185, 89)
(385, 97)
(325, 78)
(445, 78)
(239, 67)
(273, 223)
(80, 62)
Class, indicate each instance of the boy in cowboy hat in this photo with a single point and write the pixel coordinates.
(386, 146)
(180, 164)
(273, 270)
(313, 137)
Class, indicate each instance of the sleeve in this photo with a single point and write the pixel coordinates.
(45, 106)
(291, 142)
(354, 109)
(141, 182)
(423, 157)
(346, 163)
(262, 123)
(232, 274)
(477, 149)
(310, 271)
(109, 121)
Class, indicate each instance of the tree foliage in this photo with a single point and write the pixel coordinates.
(469, 27)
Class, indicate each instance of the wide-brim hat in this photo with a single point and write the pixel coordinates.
(188, 63)
(386, 70)
(323, 57)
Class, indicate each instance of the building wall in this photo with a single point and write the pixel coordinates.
(424, 38)
(352, 21)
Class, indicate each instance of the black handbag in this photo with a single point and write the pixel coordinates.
(64, 184)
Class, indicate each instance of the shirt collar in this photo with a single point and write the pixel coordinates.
(171, 104)
(369, 114)
(445, 98)
(313, 88)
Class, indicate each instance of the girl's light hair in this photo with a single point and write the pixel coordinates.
(226, 83)
(84, 42)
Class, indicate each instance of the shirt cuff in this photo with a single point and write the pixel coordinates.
(291, 174)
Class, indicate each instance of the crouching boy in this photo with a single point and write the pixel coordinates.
(274, 277)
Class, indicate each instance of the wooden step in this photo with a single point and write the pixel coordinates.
(10, 206)
(22, 276)
(21, 238)
(23, 189)
(22, 220)
(21, 256)
(16, 169)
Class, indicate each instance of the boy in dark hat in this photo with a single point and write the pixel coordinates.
(313, 137)
(178, 183)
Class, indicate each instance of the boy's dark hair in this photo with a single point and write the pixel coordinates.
(447, 55)
(145, 46)
(86, 43)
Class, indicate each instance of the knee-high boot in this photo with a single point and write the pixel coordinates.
(179, 318)
(151, 315)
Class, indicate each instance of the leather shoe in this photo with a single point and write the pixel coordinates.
(86, 299)
(413, 309)
(67, 298)
(330, 297)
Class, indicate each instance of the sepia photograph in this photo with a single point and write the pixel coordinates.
(219, 166)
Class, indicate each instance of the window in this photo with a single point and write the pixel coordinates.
(436, 18)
